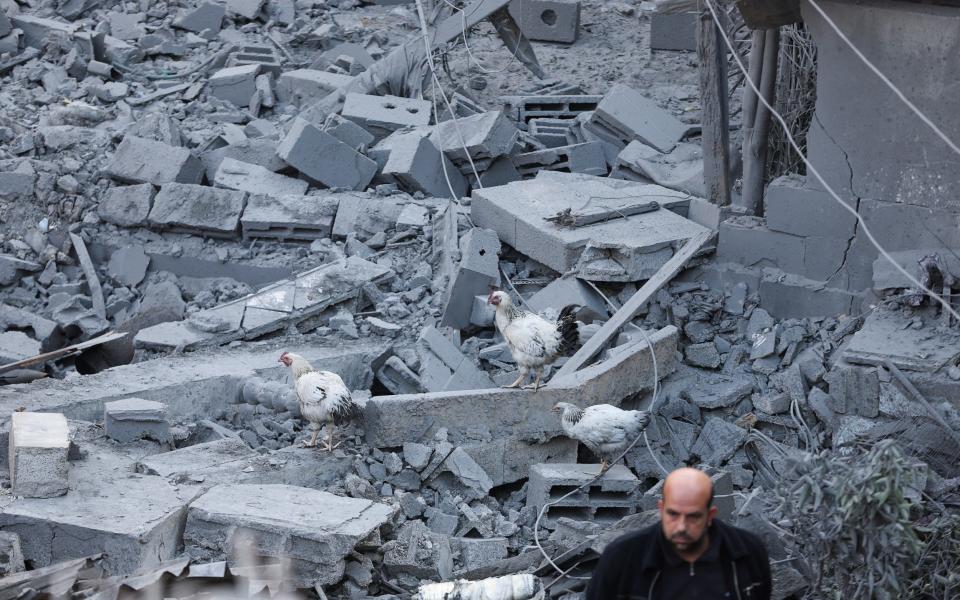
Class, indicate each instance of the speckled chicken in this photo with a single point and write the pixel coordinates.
(606, 430)
(534, 341)
(323, 397)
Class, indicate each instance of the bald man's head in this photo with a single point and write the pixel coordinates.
(687, 511)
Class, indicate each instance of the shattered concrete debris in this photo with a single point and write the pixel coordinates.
(39, 444)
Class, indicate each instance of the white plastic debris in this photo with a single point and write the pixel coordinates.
(523, 586)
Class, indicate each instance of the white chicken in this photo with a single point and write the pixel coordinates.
(534, 341)
(606, 430)
(322, 395)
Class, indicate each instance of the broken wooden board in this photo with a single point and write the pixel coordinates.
(62, 352)
(274, 307)
(629, 310)
(890, 336)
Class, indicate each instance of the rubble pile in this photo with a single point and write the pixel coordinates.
(189, 189)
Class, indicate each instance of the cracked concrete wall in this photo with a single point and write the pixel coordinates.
(867, 143)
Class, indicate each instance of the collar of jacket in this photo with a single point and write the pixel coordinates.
(732, 546)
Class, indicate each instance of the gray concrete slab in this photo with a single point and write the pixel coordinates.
(127, 206)
(888, 335)
(197, 209)
(39, 444)
(254, 179)
(137, 160)
(625, 115)
(628, 249)
(382, 114)
(486, 135)
(302, 87)
(325, 159)
(289, 217)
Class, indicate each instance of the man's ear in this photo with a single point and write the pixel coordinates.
(660, 505)
(711, 514)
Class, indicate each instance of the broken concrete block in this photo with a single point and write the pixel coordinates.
(381, 115)
(483, 313)
(610, 498)
(419, 552)
(486, 135)
(138, 160)
(128, 265)
(16, 345)
(479, 553)
(525, 108)
(570, 290)
(289, 217)
(418, 166)
(36, 29)
(703, 355)
(718, 441)
(302, 87)
(721, 391)
(45, 331)
(673, 31)
(547, 20)
(235, 84)
(39, 443)
(134, 520)
(198, 457)
(163, 298)
(477, 272)
(195, 208)
(417, 455)
(11, 554)
(313, 530)
(262, 55)
(773, 403)
(460, 473)
(323, 158)
(443, 367)
(12, 268)
(625, 115)
(5, 27)
(254, 179)
(398, 378)
(205, 17)
(248, 9)
(587, 158)
(348, 132)
(621, 249)
(134, 418)
(855, 390)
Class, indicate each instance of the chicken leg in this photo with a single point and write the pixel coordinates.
(329, 445)
(535, 386)
(313, 440)
(516, 384)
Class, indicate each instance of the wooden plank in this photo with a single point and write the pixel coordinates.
(629, 310)
(93, 282)
(62, 352)
(715, 113)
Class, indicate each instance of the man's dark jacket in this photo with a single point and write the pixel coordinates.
(631, 565)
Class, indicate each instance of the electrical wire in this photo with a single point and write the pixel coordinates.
(813, 170)
(886, 80)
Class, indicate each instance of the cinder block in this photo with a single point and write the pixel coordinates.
(625, 115)
(547, 20)
(289, 217)
(263, 55)
(525, 108)
(206, 17)
(794, 207)
(855, 390)
(746, 240)
(259, 151)
(302, 87)
(235, 84)
(348, 132)
(612, 497)
(676, 31)
(486, 135)
(39, 443)
(553, 133)
(254, 179)
(134, 418)
(381, 115)
(478, 271)
(138, 160)
(418, 166)
(127, 206)
(444, 367)
(585, 158)
(196, 208)
(323, 158)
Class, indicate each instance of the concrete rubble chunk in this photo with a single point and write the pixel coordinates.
(348, 132)
(461, 473)
(289, 217)
(325, 159)
(622, 249)
(134, 418)
(443, 367)
(97, 516)
(137, 160)
(39, 443)
(302, 87)
(11, 554)
(415, 163)
(197, 209)
(855, 390)
(381, 115)
(587, 157)
(12, 268)
(5, 27)
(127, 206)
(207, 17)
(547, 20)
(199, 457)
(720, 391)
(625, 115)
(417, 455)
(128, 265)
(419, 552)
(47, 332)
(312, 529)
(610, 498)
(235, 84)
(248, 9)
(570, 290)
(477, 272)
(704, 355)
(718, 441)
(486, 135)
(254, 179)
(888, 335)
(16, 345)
